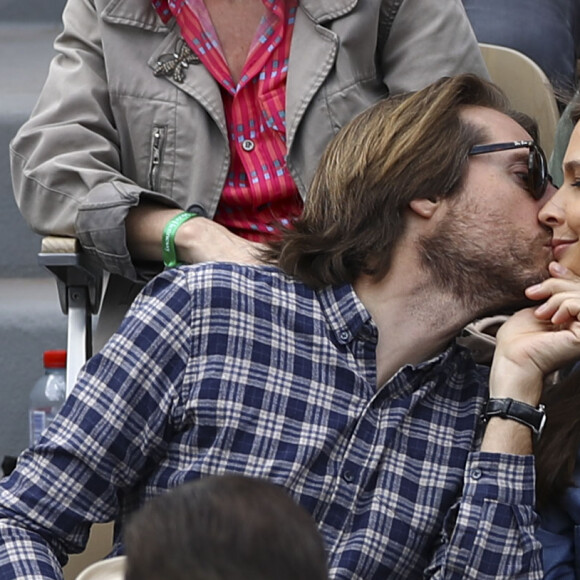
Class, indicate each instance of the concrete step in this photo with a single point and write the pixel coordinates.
(31, 322)
(26, 51)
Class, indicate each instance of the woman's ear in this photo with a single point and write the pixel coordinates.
(425, 207)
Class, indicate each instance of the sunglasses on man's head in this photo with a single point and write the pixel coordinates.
(537, 178)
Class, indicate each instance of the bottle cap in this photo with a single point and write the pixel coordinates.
(54, 359)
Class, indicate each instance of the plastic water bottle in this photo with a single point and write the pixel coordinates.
(48, 394)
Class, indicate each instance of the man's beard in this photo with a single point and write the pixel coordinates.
(479, 259)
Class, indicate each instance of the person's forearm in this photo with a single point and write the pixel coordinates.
(511, 381)
(197, 240)
(144, 225)
(24, 555)
(490, 532)
(507, 436)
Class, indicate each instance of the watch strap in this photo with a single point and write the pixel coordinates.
(532, 417)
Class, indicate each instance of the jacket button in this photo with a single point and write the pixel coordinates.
(248, 145)
(198, 209)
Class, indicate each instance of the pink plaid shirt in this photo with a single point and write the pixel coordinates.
(259, 191)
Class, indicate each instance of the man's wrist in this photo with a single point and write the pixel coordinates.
(511, 380)
(507, 436)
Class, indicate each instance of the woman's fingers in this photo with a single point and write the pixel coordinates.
(560, 308)
(559, 271)
(533, 347)
(562, 280)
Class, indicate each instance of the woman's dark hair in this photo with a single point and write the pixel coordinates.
(556, 450)
(575, 111)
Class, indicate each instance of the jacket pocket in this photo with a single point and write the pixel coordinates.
(157, 148)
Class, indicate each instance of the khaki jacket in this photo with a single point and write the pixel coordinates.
(107, 133)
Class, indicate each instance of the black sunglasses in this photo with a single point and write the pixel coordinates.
(537, 178)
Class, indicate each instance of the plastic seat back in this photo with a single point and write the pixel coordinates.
(527, 88)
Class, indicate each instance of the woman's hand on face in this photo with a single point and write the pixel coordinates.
(536, 341)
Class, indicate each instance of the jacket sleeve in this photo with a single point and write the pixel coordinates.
(427, 40)
(66, 158)
(111, 433)
(490, 532)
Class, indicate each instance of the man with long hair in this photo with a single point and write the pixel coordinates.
(332, 370)
(158, 111)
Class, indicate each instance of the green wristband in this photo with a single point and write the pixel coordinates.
(168, 239)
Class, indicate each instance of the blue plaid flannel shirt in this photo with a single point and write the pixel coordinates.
(223, 368)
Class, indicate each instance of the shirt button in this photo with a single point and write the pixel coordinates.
(344, 335)
(348, 476)
(476, 474)
(248, 145)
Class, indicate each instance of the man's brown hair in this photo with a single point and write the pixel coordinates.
(403, 148)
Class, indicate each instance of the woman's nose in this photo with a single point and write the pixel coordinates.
(553, 211)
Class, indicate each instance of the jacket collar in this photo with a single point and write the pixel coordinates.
(320, 11)
(314, 49)
(313, 45)
(141, 14)
(137, 13)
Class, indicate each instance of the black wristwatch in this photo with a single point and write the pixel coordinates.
(532, 417)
